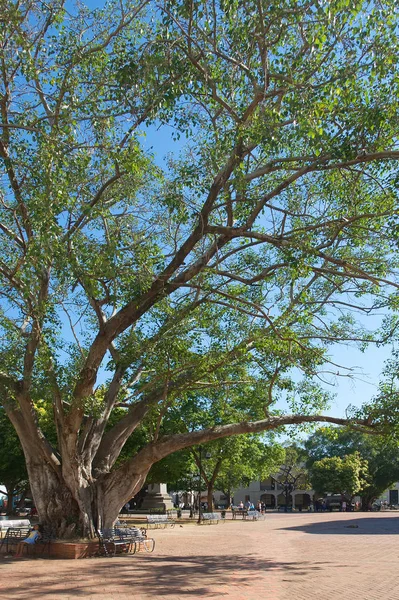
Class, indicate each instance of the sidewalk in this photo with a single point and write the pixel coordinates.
(286, 557)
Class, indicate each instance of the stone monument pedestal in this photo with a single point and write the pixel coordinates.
(157, 498)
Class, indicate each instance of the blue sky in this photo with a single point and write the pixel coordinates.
(364, 385)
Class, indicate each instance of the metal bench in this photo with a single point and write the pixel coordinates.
(138, 536)
(210, 518)
(239, 512)
(111, 541)
(160, 521)
(255, 515)
(123, 539)
(13, 536)
(47, 535)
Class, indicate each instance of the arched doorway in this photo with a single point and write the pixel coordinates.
(302, 501)
(269, 500)
(281, 501)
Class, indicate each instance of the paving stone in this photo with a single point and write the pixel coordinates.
(287, 556)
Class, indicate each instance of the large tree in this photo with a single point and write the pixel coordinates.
(128, 284)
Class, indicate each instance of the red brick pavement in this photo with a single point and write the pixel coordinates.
(286, 557)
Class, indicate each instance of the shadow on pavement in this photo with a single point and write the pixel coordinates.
(148, 576)
(355, 526)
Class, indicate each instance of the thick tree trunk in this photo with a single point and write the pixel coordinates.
(80, 507)
(209, 498)
(10, 502)
(54, 501)
(211, 484)
(21, 501)
(367, 502)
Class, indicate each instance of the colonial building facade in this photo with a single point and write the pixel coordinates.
(272, 494)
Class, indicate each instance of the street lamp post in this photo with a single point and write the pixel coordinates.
(199, 485)
(288, 489)
(207, 455)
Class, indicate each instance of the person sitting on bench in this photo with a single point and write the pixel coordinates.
(34, 535)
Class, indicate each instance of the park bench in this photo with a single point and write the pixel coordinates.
(255, 515)
(13, 536)
(210, 518)
(160, 521)
(123, 539)
(138, 536)
(42, 543)
(111, 541)
(239, 512)
(47, 536)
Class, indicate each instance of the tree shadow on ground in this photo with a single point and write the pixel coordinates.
(355, 526)
(149, 575)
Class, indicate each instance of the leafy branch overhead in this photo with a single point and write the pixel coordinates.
(135, 284)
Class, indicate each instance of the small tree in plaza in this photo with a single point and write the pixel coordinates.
(234, 462)
(292, 474)
(128, 286)
(380, 452)
(346, 476)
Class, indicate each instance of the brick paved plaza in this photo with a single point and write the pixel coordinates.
(286, 557)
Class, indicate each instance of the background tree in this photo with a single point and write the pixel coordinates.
(346, 476)
(236, 461)
(380, 452)
(232, 265)
(179, 471)
(292, 474)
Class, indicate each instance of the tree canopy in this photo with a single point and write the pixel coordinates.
(219, 276)
(380, 453)
(236, 461)
(346, 476)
